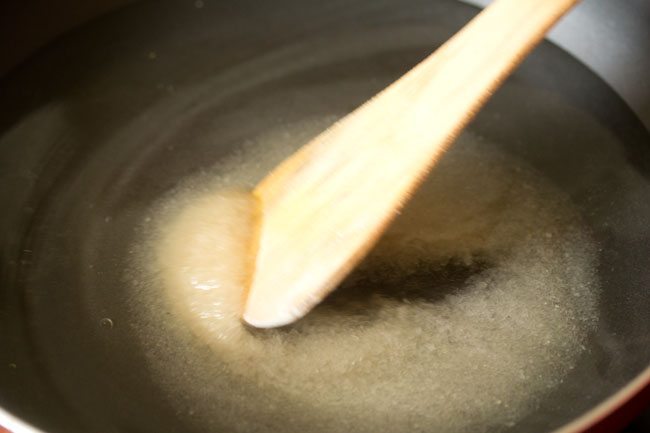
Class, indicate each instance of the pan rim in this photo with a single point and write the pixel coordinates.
(609, 406)
(582, 423)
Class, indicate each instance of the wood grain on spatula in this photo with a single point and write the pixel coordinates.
(324, 207)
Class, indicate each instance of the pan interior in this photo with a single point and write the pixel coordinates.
(113, 128)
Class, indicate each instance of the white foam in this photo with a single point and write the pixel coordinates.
(480, 351)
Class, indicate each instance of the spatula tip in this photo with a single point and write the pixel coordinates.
(266, 317)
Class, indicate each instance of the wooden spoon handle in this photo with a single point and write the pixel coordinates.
(324, 207)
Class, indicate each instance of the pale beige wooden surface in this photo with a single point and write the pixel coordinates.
(323, 208)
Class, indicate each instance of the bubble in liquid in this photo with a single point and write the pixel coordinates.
(106, 323)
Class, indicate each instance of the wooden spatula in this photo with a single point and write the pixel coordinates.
(323, 208)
